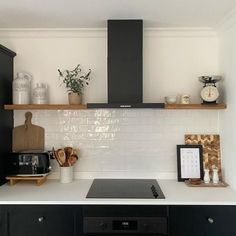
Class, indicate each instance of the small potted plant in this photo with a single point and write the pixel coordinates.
(75, 81)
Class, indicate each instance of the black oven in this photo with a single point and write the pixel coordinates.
(125, 220)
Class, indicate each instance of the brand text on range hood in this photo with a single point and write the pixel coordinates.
(125, 66)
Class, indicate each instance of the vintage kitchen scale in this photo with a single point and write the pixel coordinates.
(210, 92)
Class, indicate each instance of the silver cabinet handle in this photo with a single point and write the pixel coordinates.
(41, 219)
(210, 220)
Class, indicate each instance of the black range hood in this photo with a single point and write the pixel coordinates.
(125, 66)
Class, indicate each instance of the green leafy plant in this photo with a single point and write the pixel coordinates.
(75, 79)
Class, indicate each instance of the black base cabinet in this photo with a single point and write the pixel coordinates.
(26, 220)
(202, 220)
(67, 220)
(3, 222)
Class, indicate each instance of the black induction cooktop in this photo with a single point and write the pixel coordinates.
(125, 188)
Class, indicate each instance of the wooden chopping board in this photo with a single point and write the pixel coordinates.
(28, 136)
(211, 149)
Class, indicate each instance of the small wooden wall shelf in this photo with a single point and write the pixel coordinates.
(196, 106)
(44, 107)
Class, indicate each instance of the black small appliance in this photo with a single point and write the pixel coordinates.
(27, 163)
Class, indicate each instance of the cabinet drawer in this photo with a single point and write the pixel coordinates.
(41, 220)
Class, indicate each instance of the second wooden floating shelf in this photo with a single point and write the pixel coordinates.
(196, 106)
(84, 106)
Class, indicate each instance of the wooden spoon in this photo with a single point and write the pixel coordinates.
(72, 159)
(61, 156)
(55, 156)
(68, 151)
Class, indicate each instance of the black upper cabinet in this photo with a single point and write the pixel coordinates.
(125, 60)
(6, 117)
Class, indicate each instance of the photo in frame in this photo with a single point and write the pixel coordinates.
(189, 162)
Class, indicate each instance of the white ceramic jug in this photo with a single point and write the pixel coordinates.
(21, 88)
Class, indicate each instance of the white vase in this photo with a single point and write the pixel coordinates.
(66, 174)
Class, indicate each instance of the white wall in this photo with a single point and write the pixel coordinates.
(123, 143)
(228, 117)
(172, 61)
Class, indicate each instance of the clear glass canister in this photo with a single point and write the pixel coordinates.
(40, 94)
(21, 88)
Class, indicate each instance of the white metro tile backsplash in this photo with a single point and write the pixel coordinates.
(122, 143)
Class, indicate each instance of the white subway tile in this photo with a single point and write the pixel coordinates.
(122, 141)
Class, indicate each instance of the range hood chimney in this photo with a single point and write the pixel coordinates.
(125, 66)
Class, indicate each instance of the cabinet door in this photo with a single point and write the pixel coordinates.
(216, 220)
(41, 220)
(202, 220)
(181, 221)
(2, 222)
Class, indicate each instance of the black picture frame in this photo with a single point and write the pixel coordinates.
(183, 164)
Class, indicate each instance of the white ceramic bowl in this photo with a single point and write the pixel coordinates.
(171, 99)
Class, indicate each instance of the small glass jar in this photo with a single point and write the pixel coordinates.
(40, 94)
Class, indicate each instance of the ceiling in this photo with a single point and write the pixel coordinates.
(94, 13)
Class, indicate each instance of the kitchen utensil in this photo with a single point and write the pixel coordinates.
(61, 156)
(56, 157)
(66, 174)
(68, 151)
(28, 136)
(72, 159)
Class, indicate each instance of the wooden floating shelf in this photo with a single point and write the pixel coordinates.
(84, 106)
(196, 106)
(44, 107)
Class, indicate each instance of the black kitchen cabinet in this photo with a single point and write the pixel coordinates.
(67, 220)
(6, 117)
(27, 220)
(2, 222)
(202, 220)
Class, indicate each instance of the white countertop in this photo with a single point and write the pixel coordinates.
(53, 192)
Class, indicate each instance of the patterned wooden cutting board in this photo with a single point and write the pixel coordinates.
(211, 150)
